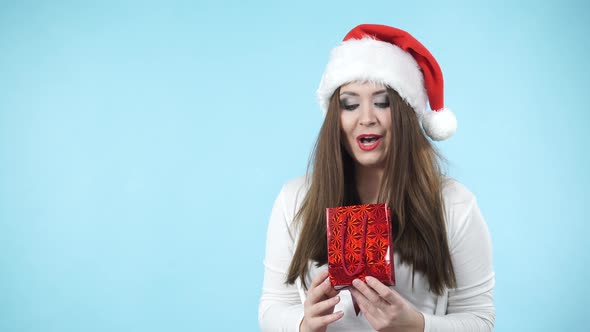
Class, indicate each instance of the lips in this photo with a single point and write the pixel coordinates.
(369, 142)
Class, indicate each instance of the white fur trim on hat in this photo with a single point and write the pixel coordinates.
(439, 125)
(370, 60)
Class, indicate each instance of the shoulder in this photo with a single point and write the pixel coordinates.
(293, 193)
(296, 186)
(460, 204)
(455, 193)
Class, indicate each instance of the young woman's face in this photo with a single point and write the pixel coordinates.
(365, 119)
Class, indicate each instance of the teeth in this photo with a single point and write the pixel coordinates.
(368, 139)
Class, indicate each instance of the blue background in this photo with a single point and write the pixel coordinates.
(142, 145)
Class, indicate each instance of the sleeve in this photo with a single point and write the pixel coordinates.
(280, 307)
(470, 306)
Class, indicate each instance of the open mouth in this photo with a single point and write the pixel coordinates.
(369, 142)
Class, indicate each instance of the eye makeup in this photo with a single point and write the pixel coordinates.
(347, 105)
(349, 102)
(382, 102)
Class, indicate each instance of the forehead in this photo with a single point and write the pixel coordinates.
(362, 88)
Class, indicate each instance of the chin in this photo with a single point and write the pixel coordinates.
(369, 163)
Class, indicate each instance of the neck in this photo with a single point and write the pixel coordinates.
(368, 181)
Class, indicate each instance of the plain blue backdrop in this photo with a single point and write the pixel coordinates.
(142, 145)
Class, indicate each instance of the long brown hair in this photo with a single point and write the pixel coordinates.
(412, 187)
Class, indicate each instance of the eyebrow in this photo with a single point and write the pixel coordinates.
(350, 93)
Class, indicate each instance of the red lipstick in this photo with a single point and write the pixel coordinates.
(369, 142)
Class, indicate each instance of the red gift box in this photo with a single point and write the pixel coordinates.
(360, 244)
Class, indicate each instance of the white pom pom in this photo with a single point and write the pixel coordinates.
(439, 125)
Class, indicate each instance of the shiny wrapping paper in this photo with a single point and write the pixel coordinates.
(360, 244)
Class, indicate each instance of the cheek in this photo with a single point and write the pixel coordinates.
(345, 139)
(346, 123)
(386, 118)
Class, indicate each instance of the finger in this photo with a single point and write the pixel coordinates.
(371, 316)
(327, 289)
(315, 294)
(321, 276)
(330, 291)
(324, 306)
(364, 304)
(382, 290)
(367, 291)
(322, 291)
(319, 322)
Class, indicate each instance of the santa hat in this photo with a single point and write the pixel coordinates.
(382, 54)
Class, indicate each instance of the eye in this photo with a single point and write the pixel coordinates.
(382, 104)
(349, 107)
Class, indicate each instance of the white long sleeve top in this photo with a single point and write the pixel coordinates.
(468, 307)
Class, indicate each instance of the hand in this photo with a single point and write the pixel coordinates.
(318, 309)
(384, 308)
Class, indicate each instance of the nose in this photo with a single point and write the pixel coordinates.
(367, 117)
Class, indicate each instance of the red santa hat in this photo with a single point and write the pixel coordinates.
(382, 54)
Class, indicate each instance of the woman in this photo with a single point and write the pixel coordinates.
(371, 149)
